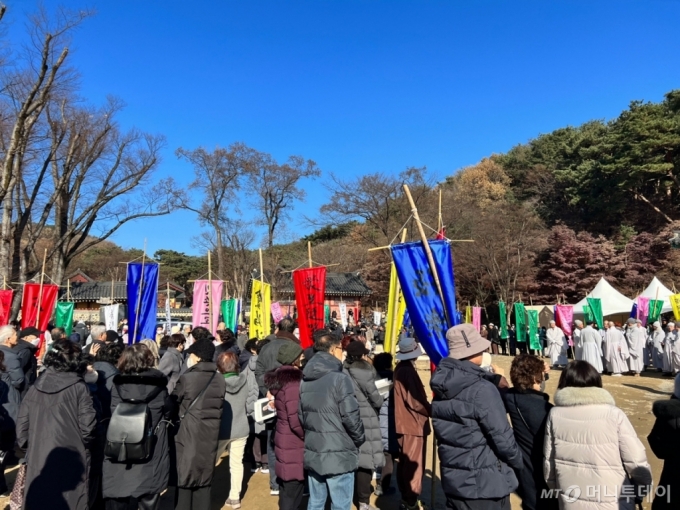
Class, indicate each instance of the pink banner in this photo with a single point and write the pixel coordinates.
(564, 318)
(642, 309)
(276, 312)
(201, 307)
(477, 317)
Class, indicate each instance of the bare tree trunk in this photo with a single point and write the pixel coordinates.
(6, 238)
(220, 252)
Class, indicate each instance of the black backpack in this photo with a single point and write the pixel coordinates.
(130, 436)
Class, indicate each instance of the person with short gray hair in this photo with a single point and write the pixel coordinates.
(13, 378)
(98, 334)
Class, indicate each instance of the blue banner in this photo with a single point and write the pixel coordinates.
(143, 326)
(424, 306)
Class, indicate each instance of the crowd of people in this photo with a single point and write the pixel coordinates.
(105, 425)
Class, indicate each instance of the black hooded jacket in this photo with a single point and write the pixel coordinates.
(664, 440)
(477, 448)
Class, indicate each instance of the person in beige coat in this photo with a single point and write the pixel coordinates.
(592, 454)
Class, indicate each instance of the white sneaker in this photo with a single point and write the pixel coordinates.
(617, 375)
(274, 492)
(254, 470)
(264, 470)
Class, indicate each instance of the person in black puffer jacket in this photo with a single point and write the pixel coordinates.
(371, 452)
(329, 414)
(139, 483)
(477, 448)
(528, 407)
(196, 440)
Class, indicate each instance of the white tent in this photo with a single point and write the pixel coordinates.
(657, 290)
(613, 302)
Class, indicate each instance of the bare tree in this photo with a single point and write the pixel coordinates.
(217, 177)
(277, 188)
(377, 199)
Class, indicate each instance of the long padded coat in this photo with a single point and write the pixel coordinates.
(363, 376)
(55, 426)
(289, 440)
(196, 439)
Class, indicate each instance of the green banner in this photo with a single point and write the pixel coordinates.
(520, 322)
(595, 305)
(503, 322)
(327, 314)
(228, 309)
(655, 307)
(64, 316)
(534, 341)
(587, 314)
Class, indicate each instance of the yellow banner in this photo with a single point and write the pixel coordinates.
(396, 304)
(260, 314)
(468, 315)
(675, 303)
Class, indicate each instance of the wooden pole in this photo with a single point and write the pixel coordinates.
(439, 218)
(4, 283)
(40, 293)
(210, 303)
(112, 290)
(139, 296)
(393, 340)
(435, 276)
(309, 252)
(68, 290)
(168, 305)
(261, 267)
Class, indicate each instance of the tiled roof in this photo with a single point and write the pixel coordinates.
(94, 291)
(338, 284)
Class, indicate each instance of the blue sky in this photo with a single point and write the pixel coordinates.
(364, 86)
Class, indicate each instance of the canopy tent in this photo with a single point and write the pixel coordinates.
(657, 290)
(613, 302)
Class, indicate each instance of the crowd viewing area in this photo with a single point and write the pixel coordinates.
(464, 296)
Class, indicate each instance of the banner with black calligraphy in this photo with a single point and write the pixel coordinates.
(260, 305)
(206, 307)
(310, 292)
(6, 297)
(37, 305)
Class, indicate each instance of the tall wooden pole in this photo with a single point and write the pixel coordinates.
(68, 290)
(139, 296)
(393, 340)
(439, 218)
(40, 293)
(309, 252)
(261, 267)
(168, 306)
(210, 303)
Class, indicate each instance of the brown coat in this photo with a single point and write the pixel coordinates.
(411, 408)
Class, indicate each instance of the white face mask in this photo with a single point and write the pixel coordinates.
(190, 362)
(35, 341)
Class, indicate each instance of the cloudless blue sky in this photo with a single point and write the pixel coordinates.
(363, 86)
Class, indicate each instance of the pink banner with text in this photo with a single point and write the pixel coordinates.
(201, 312)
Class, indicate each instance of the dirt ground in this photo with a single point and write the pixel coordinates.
(633, 395)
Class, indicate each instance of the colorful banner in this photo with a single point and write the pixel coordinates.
(655, 307)
(595, 305)
(229, 309)
(6, 297)
(520, 322)
(534, 341)
(477, 318)
(395, 305)
(642, 309)
(277, 314)
(377, 318)
(168, 315)
(675, 303)
(633, 311)
(327, 314)
(503, 333)
(206, 313)
(64, 316)
(342, 308)
(142, 280)
(310, 293)
(468, 315)
(426, 310)
(564, 318)
(111, 314)
(587, 314)
(260, 310)
(30, 302)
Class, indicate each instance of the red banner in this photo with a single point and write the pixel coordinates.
(29, 305)
(5, 306)
(310, 291)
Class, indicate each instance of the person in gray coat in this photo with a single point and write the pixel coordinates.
(241, 387)
(370, 401)
(11, 383)
(173, 360)
(329, 414)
